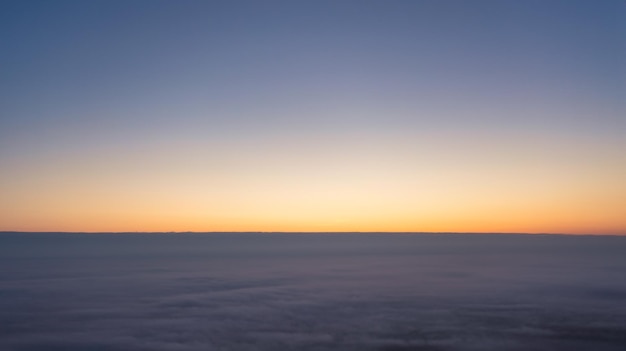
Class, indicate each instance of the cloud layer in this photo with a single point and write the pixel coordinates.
(311, 292)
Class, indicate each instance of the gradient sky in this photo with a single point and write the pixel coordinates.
(472, 116)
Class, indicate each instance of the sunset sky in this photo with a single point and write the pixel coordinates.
(429, 116)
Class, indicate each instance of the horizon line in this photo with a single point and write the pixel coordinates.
(307, 232)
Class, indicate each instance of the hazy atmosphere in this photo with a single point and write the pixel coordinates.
(435, 115)
(312, 175)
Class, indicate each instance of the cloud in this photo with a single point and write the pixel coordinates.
(343, 292)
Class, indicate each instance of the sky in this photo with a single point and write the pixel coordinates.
(435, 116)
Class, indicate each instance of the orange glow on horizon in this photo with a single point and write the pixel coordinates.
(341, 186)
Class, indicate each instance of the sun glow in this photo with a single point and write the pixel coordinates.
(356, 184)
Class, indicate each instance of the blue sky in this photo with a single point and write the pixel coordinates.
(108, 79)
